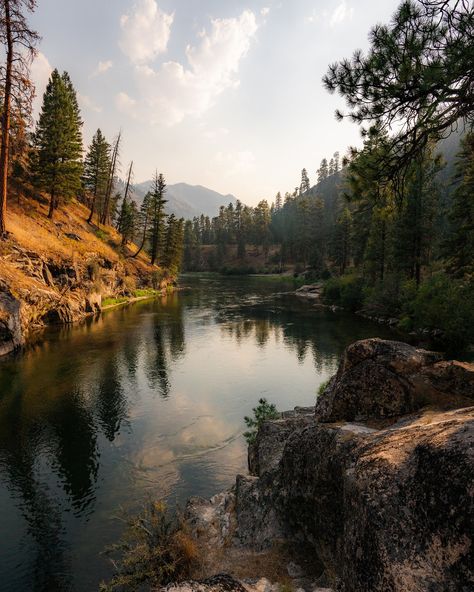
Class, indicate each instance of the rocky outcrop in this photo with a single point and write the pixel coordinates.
(384, 505)
(11, 336)
(310, 292)
(380, 379)
(386, 510)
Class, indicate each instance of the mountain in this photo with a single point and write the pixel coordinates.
(186, 201)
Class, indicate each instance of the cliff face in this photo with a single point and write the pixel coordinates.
(54, 272)
(376, 482)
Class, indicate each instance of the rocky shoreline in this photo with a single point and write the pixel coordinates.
(60, 293)
(370, 491)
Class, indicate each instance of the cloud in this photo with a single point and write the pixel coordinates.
(85, 102)
(168, 94)
(102, 67)
(40, 72)
(125, 103)
(265, 11)
(341, 13)
(145, 32)
(234, 164)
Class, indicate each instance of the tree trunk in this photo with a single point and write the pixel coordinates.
(4, 152)
(110, 185)
(52, 204)
(91, 215)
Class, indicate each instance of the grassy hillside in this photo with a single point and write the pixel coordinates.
(59, 271)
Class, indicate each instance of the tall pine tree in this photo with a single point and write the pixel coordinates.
(96, 171)
(157, 215)
(58, 142)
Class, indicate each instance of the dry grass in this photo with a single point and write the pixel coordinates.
(31, 232)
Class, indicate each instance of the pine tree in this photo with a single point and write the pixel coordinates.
(323, 170)
(173, 244)
(416, 77)
(58, 142)
(19, 42)
(278, 202)
(460, 243)
(144, 216)
(158, 215)
(129, 213)
(305, 185)
(96, 171)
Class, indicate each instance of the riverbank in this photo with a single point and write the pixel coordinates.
(62, 271)
(396, 425)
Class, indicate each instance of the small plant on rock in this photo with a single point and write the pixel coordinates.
(262, 412)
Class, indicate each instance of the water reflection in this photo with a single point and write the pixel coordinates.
(146, 400)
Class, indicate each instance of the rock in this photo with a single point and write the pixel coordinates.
(258, 522)
(294, 570)
(93, 303)
(47, 276)
(265, 453)
(387, 509)
(212, 522)
(380, 379)
(312, 292)
(73, 236)
(219, 583)
(59, 314)
(11, 334)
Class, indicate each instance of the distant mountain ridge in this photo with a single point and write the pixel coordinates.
(184, 200)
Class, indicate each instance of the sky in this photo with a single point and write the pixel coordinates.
(221, 93)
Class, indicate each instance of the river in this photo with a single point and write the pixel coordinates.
(146, 401)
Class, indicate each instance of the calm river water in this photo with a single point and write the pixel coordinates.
(145, 402)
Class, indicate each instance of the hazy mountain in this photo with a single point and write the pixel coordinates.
(185, 200)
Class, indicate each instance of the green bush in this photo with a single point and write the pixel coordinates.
(261, 413)
(154, 551)
(346, 291)
(444, 303)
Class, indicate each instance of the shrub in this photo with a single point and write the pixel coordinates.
(262, 412)
(444, 303)
(346, 291)
(154, 551)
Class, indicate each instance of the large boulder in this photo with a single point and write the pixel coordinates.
(11, 335)
(380, 379)
(389, 510)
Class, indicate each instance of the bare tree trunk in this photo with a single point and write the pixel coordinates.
(145, 228)
(4, 153)
(127, 189)
(110, 185)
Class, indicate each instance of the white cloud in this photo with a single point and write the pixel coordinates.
(85, 102)
(102, 67)
(265, 11)
(172, 92)
(145, 31)
(341, 13)
(233, 164)
(40, 72)
(125, 103)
